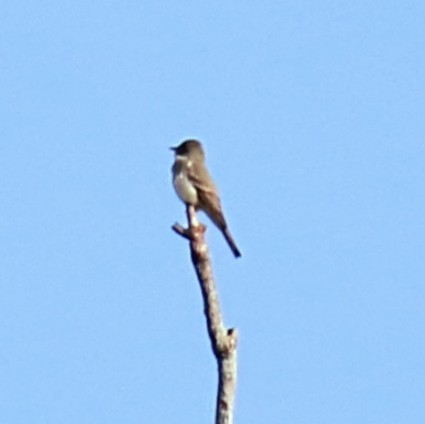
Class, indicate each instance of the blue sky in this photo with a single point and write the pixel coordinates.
(312, 117)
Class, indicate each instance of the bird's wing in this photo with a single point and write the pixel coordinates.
(209, 200)
(201, 180)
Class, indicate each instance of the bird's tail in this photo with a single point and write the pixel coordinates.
(231, 242)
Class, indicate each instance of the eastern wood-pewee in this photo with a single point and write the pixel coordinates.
(194, 186)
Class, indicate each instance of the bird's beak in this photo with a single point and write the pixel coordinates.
(173, 149)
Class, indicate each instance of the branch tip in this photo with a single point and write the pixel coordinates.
(181, 231)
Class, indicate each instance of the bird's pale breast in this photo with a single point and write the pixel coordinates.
(184, 188)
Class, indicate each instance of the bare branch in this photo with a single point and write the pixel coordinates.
(223, 341)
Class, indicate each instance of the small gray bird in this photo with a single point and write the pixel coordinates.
(194, 186)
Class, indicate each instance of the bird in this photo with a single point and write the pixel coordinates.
(194, 186)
